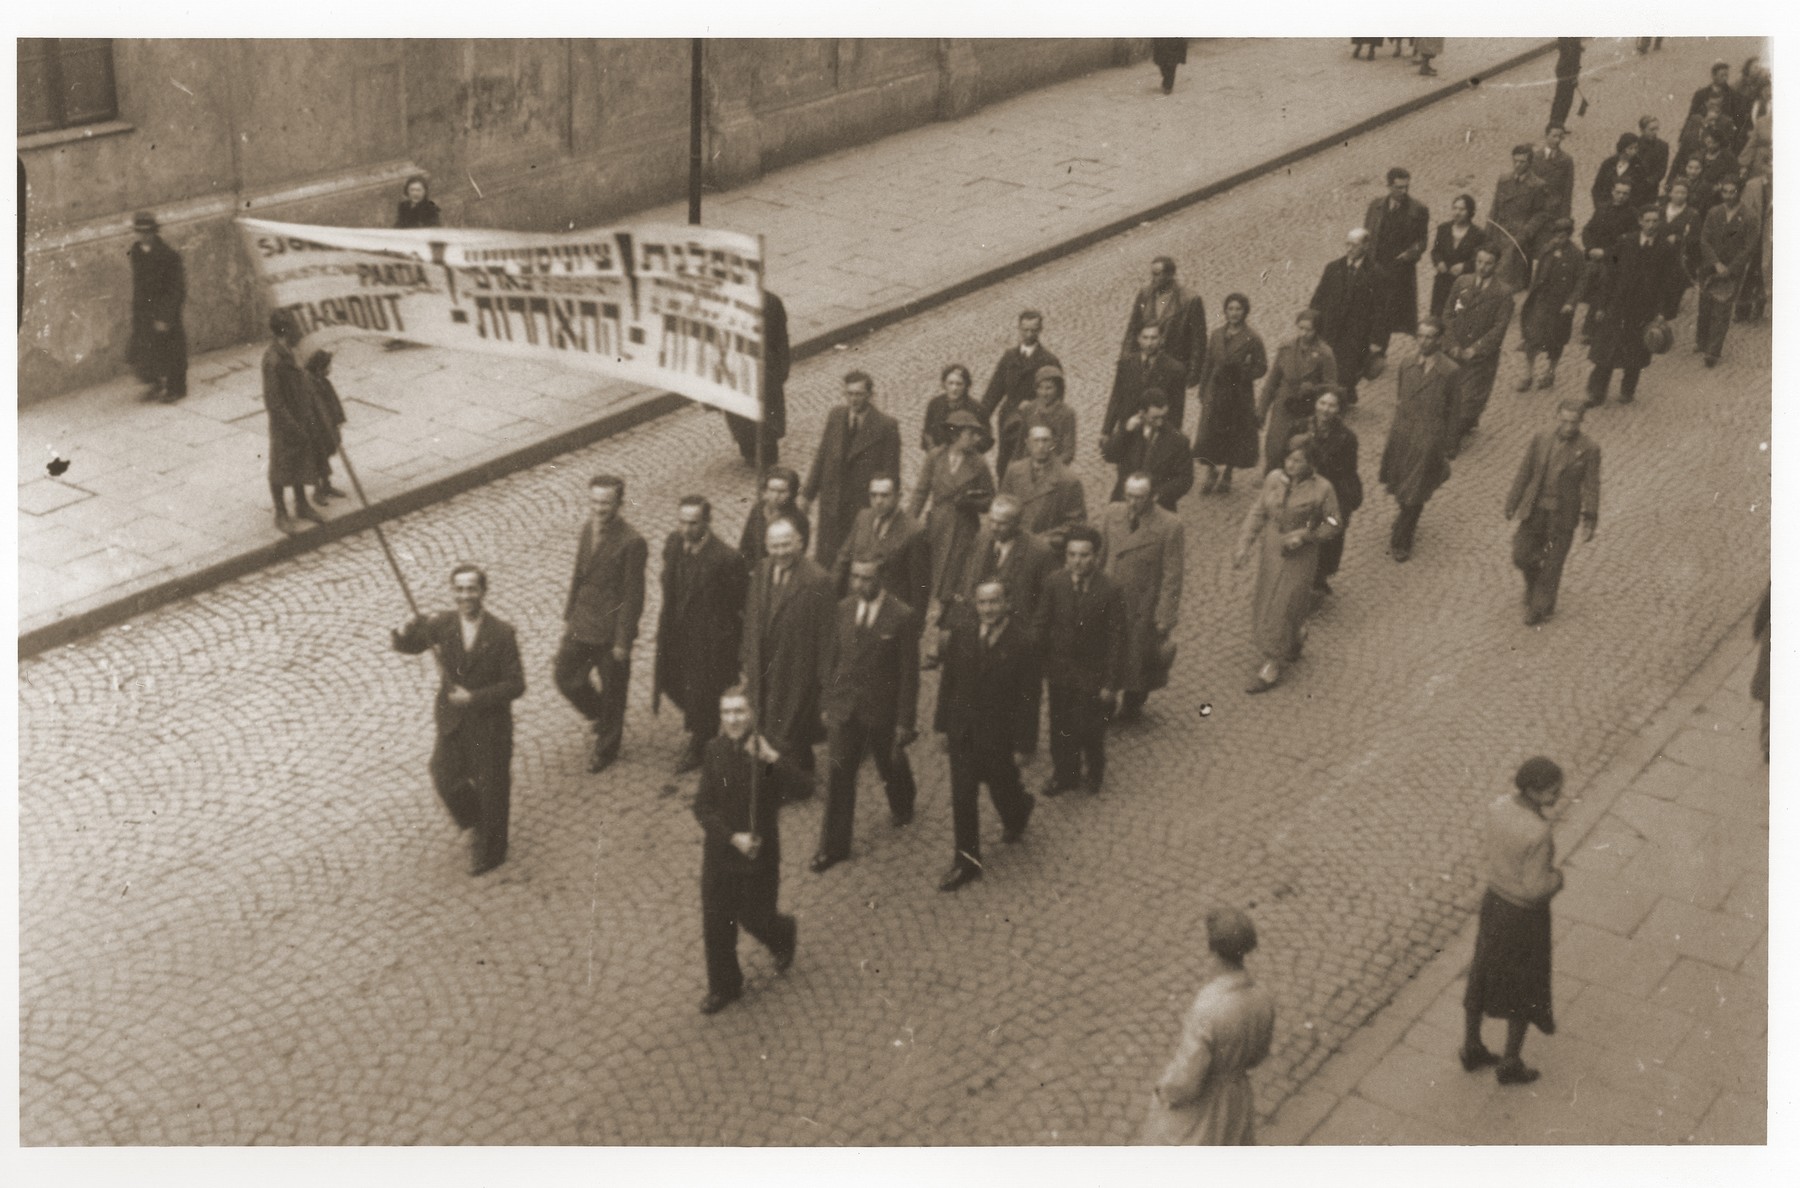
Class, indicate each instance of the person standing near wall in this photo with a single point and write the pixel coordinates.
(294, 454)
(1168, 53)
(158, 348)
(1568, 74)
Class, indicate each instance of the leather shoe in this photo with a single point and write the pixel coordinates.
(1532, 618)
(785, 957)
(599, 761)
(1092, 784)
(958, 876)
(309, 512)
(1052, 787)
(1013, 833)
(900, 819)
(1515, 1072)
(822, 862)
(717, 1001)
(1259, 685)
(1477, 1057)
(1403, 555)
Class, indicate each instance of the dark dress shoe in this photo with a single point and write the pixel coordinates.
(717, 1001)
(958, 876)
(1515, 1072)
(1322, 586)
(1403, 555)
(1053, 787)
(599, 761)
(1474, 1058)
(822, 862)
(1092, 784)
(785, 957)
(898, 819)
(1013, 833)
(1259, 685)
(309, 512)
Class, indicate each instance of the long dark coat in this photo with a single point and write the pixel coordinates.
(1446, 251)
(722, 805)
(786, 653)
(753, 545)
(1335, 460)
(1609, 224)
(957, 500)
(1168, 461)
(1082, 638)
(841, 470)
(296, 450)
(902, 549)
(1631, 286)
(1556, 281)
(1148, 567)
(1682, 234)
(158, 292)
(700, 630)
(1415, 461)
(1182, 319)
(1235, 360)
(1601, 190)
(1299, 374)
(1051, 501)
(1131, 379)
(1397, 239)
(1348, 301)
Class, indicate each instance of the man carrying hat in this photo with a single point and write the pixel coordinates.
(158, 348)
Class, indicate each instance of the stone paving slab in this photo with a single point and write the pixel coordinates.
(848, 247)
(1661, 993)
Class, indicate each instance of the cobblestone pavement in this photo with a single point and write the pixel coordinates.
(244, 919)
(157, 492)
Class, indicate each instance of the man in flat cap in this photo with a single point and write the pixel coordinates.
(158, 348)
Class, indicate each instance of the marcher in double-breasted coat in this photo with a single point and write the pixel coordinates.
(1399, 232)
(699, 631)
(786, 654)
(1146, 565)
(1348, 298)
(841, 470)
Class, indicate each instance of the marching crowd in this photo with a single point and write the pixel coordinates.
(1022, 588)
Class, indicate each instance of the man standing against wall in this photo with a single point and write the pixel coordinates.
(158, 348)
(600, 620)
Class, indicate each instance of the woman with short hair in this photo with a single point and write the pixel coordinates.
(416, 207)
(1453, 250)
(1235, 360)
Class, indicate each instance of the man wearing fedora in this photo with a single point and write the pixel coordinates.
(158, 348)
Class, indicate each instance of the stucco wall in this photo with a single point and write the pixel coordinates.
(530, 134)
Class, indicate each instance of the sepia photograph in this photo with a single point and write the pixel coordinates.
(1274, 530)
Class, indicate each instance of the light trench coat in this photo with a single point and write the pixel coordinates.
(1203, 1097)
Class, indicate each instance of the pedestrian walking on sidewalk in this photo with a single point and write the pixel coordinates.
(479, 677)
(1510, 975)
(743, 781)
(1416, 459)
(1425, 49)
(328, 411)
(1013, 383)
(1568, 76)
(700, 628)
(158, 347)
(1226, 434)
(600, 618)
(1168, 53)
(295, 442)
(1359, 44)
(1294, 514)
(1557, 487)
(1203, 1097)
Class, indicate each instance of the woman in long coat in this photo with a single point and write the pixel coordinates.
(1203, 1097)
(328, 412)
(958, 486)
(1334, 447)
(1548, 317)
(295, 453)
(1453, 250)
(1295, 513)
(1235, 360)
(1304, 367)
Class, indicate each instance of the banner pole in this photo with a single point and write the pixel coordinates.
(387, 550)
(762, 421)
(696, 98)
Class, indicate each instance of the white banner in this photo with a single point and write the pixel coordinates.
(665, 306)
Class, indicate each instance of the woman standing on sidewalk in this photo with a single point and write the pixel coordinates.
(1204, 1095)
(1510, 975)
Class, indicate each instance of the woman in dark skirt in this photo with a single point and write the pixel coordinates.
(1334, 448)
(1453, 250)
(776, 503)
(1510, 975)
(328, 410)
(1235, 360)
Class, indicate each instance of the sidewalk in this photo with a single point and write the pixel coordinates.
(1661, 960)
(162, 500)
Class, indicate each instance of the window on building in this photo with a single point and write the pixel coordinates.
(64, 82)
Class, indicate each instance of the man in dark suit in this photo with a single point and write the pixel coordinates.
(479, 677)
(1012, 384)
(1177, 313)
(1149, 368)
(1147, 443)
(1399, 228)
(887, 533)
(1476, 316)
(158, 346)
(1081, 631)
(1629, 290)
(1004, 553)
(1349, 300)
(1557, 170)
(700, 628)
(1051, 499)
(871, 705)
(860, 442)
(786, 654)
(775, 360)
(989, 662)
(742, 784)
(600, 619)
(1557, 486)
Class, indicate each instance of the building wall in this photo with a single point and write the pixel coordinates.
(527, 134)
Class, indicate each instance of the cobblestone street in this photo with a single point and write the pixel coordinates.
(245, 919)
